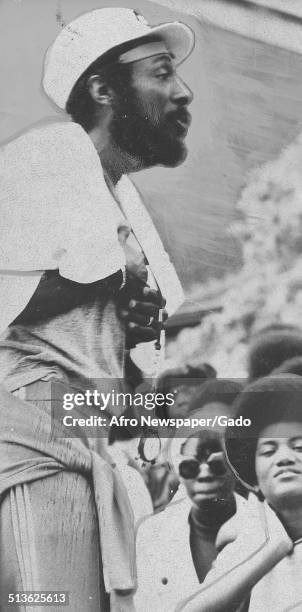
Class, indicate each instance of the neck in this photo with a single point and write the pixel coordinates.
(214, 513)
(292, 519)
(114, 160)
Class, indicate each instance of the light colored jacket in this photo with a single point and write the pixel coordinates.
(166, 573)
(165, 568)
(257, 559)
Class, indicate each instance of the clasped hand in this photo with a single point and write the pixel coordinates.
(138, 304)
(139, 307)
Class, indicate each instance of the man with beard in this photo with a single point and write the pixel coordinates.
(77, 298)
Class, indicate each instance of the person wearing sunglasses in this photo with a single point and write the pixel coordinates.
(259, 568)
(184, 383)
(179, 542)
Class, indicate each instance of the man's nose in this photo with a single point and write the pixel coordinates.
(182, 93)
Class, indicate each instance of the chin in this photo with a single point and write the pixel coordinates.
(287, 496)
(175, 160)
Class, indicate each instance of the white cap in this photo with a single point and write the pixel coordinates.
(91, 35)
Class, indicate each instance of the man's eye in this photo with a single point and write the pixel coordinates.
(298, 447)
(162, 75)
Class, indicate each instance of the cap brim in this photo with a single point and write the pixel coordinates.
(178, 37)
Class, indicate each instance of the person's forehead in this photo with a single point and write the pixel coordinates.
(148, 64)
(194, 446)
(283, 430)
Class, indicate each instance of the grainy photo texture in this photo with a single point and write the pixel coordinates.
(151, 298)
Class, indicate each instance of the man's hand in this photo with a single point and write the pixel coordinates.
(139, 307)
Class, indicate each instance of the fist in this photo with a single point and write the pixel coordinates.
(139, 307)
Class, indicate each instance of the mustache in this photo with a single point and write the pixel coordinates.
(128, 113)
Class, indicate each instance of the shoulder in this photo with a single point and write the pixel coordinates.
(51, 141)
(227, 533)
(171, 519)
(230, 530)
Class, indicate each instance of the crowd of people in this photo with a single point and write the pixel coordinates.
(227, 534)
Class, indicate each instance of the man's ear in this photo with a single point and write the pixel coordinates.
(99, 90)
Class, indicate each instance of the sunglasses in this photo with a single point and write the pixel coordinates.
(189, 468)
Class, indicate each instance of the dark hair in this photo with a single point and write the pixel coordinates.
(207, 441)
(187, 375)
(269, 351)
(80, 105)
(273, 399)
(218, 390)
(290, 366)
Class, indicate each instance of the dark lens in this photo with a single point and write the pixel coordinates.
(189, 468)
(218, 466)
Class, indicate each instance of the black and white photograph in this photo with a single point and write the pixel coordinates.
(151, 306)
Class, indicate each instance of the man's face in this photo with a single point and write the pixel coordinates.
(151, 119)
(214, 479)
(279, 464)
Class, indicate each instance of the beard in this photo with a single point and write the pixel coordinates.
(144, 135)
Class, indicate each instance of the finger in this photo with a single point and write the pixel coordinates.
(142, 320)
(165, 315)
(153, 296)
(146, 308)
(123, 313)
(139, 319)
(141, 334)
(134, 287)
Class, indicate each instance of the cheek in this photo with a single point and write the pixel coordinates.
(154, 113)
(262, 473)
(229, 480)
(151, 105)
(188, 484)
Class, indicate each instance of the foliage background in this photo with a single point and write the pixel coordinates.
(268, 287)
